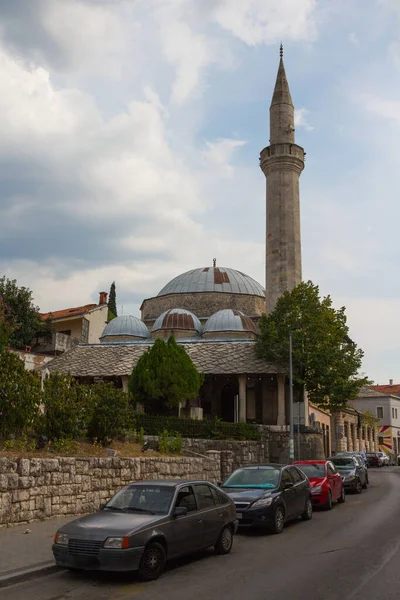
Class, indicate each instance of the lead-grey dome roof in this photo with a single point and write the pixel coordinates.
(125, 325)
(213, 279)
(177, 318)
(229, 320)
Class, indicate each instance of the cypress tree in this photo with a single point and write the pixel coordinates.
(112, 303)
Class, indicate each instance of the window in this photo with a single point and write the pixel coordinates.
(392, 412)
(379, 412)
(186, 499)
(297, 476)
(204, 496)
(395, 413)
(66, 332)
(331, 469)
(286, 478)
(85, 330)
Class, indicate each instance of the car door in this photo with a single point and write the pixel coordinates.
(210, 513)
(288, 493)
(335, 481)
(301, 489)
(186, 530)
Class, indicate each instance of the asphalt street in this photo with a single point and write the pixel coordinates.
(350, 553)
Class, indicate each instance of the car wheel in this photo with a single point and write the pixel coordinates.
(279, 521)
(152, 562)
(307, 514)
(359, 488)
(328, 504)
(225, 541)
(342, 497)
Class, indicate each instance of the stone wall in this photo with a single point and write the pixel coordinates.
(39, 488)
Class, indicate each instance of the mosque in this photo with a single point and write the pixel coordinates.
(214, 311)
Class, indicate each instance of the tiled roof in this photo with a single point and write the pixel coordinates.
(68, 312)
(388, 390)
(367, 392)
(211, 358)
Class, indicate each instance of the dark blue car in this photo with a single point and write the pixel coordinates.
(269, 495)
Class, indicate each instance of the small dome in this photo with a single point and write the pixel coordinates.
(229, 321)
(213, 279)
(178, 319)
(125, 326)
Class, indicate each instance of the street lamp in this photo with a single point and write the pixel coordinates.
(291, 419)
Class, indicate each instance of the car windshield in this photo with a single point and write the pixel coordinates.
(313, 471)
(343, 463)
(151, 499)
(254, 478)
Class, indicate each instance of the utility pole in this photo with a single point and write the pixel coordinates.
(291, 430)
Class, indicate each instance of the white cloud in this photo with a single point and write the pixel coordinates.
(301, 119)
(383, 107)
(353, 38)
(219, 153)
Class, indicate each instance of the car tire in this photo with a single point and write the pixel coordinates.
(225, 541)
(359, 487)
(153, 561)
(342, 497)
(307, 514)
(279, 521)
(328, 504)
(365, 485)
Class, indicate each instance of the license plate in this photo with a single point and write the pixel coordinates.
(239, 515)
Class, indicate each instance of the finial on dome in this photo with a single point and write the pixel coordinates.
(214, 262)
(281, 50)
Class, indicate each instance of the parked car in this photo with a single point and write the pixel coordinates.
(353, 474)
(359, 460)
(147, 523)
(361, 455)
(374, 459)
(325, 481)
(269, 495)
(385, 459)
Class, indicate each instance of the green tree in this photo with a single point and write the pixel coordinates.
(7, 325)
(67, 407)
(28, 323)
(112, 303)
(164, 376)
(111, 415)
(19, 395)
(325, 360)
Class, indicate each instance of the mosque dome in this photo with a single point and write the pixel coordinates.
(125, 327)
(229, 323)
(178, 322)
(213, 279)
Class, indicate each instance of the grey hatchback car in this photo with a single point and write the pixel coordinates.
(145, 524)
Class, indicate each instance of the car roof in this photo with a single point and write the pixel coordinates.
(267, 466)
(310, 462)
(168, 482)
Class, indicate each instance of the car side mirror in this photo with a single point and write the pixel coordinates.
(287, 485)
(180, 511)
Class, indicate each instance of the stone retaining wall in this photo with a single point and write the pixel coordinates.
(40, 488)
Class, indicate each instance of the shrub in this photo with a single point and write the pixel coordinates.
(170, 443)
(67, 407)
(112, 413)
(19, 395)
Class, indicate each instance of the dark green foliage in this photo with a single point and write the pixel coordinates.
(164, 377)
(325, 360)
(27, 319)
(193, 428)
(112, 413)
(112, 303)
(67, 407)
(19, 395)
(7, 325)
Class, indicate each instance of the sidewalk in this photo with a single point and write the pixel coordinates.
(26, 554)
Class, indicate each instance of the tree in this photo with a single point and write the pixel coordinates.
(325, 360)
(28, 323)
(7, 325)
(112, 303)
(19, 395)
(67, 407)
(164, 377)
(111, 415)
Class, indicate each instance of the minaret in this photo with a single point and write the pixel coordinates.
(282, 163)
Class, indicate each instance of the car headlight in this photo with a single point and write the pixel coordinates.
(116, 542)
(61, 539)
(262, 502)
(316, 490)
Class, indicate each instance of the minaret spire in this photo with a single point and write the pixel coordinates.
(282, 163)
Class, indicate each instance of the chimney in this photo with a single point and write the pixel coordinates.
(390, 381)
(103, 298)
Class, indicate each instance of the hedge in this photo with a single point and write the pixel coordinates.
(194, 428)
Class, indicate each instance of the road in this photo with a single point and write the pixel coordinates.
(350, 553)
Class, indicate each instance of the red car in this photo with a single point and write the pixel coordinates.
(325, 481)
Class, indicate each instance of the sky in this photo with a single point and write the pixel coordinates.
(130, 133)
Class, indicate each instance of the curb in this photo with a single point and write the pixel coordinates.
(18, 575)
